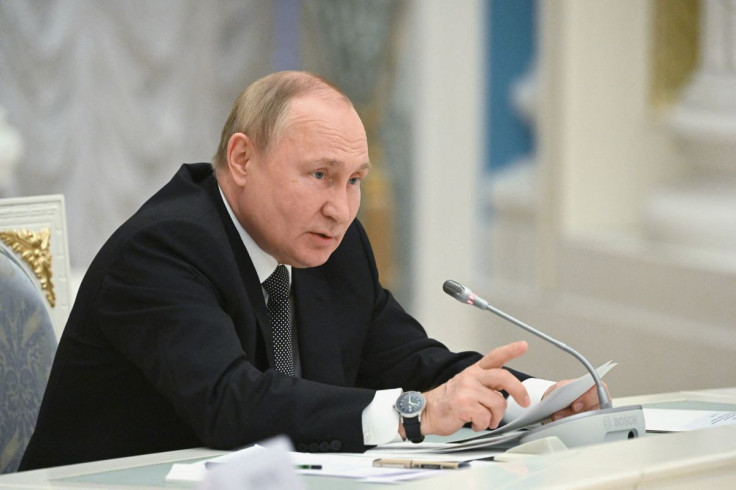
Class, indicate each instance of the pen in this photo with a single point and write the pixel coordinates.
(419, 464)
(211, 464)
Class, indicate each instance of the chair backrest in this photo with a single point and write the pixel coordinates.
(34, 304)
(35, 229)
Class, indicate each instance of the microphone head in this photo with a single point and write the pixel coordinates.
(454, 289)
(463, 294)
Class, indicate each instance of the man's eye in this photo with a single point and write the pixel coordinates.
(355, 181)
(319, 175)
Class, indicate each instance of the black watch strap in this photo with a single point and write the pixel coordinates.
(412, 429)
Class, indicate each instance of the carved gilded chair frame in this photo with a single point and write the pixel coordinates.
(34, 228)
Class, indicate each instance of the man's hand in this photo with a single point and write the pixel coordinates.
(474, 394)
(588, 401)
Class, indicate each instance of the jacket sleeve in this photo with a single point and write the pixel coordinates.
(397, 351)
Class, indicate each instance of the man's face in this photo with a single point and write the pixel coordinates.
(299, 198)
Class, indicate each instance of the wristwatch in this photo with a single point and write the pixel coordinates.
(410, 406)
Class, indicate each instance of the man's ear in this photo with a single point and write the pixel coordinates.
(240, 151)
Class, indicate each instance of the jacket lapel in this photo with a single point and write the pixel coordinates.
(321, 357)
(252, 286)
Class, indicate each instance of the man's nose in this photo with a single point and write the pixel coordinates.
(337, 206)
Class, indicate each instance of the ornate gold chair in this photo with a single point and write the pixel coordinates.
(34, 304)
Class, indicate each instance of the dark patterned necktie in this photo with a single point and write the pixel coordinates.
(277, 287)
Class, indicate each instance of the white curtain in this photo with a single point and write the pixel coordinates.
(110, 97)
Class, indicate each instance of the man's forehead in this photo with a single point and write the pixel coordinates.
(340, 119)
(313, 107)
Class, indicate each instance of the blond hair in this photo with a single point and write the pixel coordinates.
(260, 110)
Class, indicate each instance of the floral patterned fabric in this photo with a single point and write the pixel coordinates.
(27, 346)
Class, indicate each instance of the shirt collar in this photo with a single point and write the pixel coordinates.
(263, 263)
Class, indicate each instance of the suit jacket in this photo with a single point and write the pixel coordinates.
(168, 344)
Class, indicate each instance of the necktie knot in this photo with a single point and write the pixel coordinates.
(277, 284)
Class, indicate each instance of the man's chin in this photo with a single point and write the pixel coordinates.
(313, 260)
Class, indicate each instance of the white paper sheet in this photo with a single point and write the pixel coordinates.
(669, 420)
(558, 399)
(354, 466)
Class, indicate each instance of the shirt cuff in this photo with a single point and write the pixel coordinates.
(380, 419)
(535, 387)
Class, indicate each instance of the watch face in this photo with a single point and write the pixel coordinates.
(410, 403)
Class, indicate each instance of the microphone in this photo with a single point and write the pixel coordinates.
(614, 423)
(465, 295)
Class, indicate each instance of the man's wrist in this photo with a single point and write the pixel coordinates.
(410, 405)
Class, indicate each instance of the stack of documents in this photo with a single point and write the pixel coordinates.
(471, 451)
(508, 435)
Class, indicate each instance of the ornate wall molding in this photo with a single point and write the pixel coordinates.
(698, 212)
(674, 49)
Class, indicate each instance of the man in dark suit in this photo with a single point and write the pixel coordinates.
(171, 343)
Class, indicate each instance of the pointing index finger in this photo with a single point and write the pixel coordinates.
(501, 355)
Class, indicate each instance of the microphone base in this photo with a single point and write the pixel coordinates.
(608, 424)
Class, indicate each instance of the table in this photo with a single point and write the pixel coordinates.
(678, 460)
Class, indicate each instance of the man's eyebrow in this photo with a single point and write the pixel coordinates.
(337, 163)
